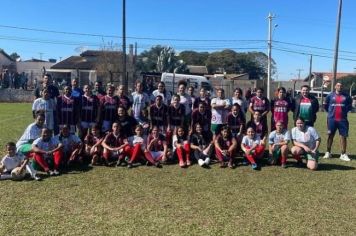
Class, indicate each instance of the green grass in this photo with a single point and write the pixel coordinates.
(174, 201)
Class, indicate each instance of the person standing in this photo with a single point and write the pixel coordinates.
(338, 104)
(306, 106)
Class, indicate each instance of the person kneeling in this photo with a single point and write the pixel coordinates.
(48, 152)
(278, 145)
(253, 147)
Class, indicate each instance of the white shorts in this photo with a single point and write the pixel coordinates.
(156, 155)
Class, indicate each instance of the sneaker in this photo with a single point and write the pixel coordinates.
(254, 166)
(283, 165)
(129, 165)
(327, 155)
(37, 178)
(189, 163)
(56, 172)
(119, 162)
(201, 162)
(345, 157)
(51, 173)
(207, 161)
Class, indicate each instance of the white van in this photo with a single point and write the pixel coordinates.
(196, 81)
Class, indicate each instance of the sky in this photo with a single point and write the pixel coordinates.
(59, 29)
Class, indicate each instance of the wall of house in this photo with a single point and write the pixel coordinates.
(16, 95)
(33, 70)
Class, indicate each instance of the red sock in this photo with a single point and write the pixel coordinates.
(135, 153)
(180, 154)
(297, 157)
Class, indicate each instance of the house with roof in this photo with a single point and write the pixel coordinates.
(91, 66)
(317, 79)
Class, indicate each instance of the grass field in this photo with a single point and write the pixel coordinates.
(174, 201)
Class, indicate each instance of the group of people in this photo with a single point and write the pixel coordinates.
(109, 127)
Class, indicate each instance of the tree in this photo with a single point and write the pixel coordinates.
(14, 56)
(147, 60)
(194, 58)
(347, 82)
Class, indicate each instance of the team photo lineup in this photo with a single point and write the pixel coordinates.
(104, 125)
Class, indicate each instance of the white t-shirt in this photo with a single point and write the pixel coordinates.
(139, 102)
(308, 137)
(48, 106)
(136, 139)
(68, 142)
(32, 132)
(219, 115)
(11, 163)
(278, 138)
(249, 142)
(51, 144)
(186, 100)
(242, 102)
(166, 97)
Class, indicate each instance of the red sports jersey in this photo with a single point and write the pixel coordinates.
(89, 108)
(176, 116)
(113, 141)
(234, 122)
(198, 100)
(108, 107)
(259, 104)
(224, 144)
(339, 101)
(203, 119)
(67, 110)
(159, 115)
(125, 102)
(91, 139)
(158, 146)
(280, 108)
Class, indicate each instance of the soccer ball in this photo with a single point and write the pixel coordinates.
(17, 174)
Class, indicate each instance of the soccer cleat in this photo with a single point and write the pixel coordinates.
(254, 166)
(207, 161)
(327, 155)
(56, 172)
(345, 157)
(201, 162)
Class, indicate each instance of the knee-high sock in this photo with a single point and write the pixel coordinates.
(219, 155)
(180, 154)
(149, 157)
(57, 156)
(187, 151)
(40, 160)
(135, 152)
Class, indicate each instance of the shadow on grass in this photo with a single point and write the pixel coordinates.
(329, 166)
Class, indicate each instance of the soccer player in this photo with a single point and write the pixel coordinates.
(176, 113)
(158, 114)
(306, 141)
(236, 121)
(306, 106)
(225, 147)
(93, 148)
(338, 104)
(32, 132)
(181, 147)
(138, 150)
(251, 146)
(72, 146)
(108, 109)
(89, 110)
(127, 123)
(47, 152)
(46, 105)
(12, 160)
(201, 146)
(68, 110)
(202, 116)
(157, 145)
(278, 145)
(161, 90)
(115, 146)
(202, 98)
(124, 100)
(238, 98)
(140, 100)
(259, 127)
(280, 106)
(219, 109)
(261, 104)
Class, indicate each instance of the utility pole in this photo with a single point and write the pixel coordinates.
(310, 67)
(336, 53)
(124, 76)
(270, 17)
(299, 70)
